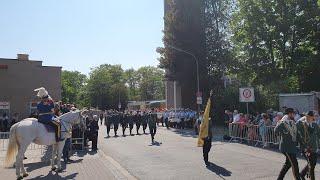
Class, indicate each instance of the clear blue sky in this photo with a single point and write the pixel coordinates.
(80, 34)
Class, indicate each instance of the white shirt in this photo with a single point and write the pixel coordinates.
(297, 117)
(285, 118)
(236, 118)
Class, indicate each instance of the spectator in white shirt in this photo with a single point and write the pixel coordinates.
(296, 115)
(236, 116)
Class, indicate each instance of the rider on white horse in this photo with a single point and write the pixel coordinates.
(45, 112)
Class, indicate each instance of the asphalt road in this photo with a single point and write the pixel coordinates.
(175, 156)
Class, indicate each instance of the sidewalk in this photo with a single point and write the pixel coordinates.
(86, 165)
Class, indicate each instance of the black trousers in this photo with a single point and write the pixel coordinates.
(115, 128)
(153, 131)
(138, 127)
(309, 169)
(206, 149)
(162, 121)
(5, 125)
(124, 126)
(144, 127)
(130, 128)
(182, 123)
(291, 162)
(167, 123)
(94, 141)
(108, 129)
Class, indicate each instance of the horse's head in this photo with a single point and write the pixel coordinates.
(73, 117)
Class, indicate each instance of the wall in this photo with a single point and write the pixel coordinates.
(20, 80)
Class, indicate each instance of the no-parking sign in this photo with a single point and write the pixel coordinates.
(4, 105)
(246, 94)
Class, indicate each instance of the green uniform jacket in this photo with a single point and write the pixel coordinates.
(287, 145)
(308, 136)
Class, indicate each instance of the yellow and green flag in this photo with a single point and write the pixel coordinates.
(204, 128)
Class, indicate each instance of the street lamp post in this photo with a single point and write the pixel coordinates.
(197, 62)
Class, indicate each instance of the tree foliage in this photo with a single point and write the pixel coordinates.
(276, 44)
(72, 83)
(109, 84)
(270, 45)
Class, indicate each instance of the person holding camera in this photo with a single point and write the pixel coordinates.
(309, 133)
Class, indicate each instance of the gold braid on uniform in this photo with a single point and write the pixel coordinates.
(307, 139)
(292, 131)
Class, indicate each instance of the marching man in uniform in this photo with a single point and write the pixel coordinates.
(288, 131)
(46, 112)
(309, 134)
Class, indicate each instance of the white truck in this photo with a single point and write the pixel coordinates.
(303, 102)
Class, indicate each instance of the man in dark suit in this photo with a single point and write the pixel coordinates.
(94, 127)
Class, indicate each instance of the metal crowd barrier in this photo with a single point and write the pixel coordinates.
(78, 141)
(4, 142)
(254, 133)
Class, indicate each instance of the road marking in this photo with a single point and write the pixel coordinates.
(118, 167)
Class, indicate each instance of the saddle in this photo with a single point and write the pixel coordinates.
(49, 128)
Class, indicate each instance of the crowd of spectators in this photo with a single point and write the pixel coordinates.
(259, 125)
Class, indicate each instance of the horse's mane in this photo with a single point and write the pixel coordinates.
(30, 119)
(68, 114)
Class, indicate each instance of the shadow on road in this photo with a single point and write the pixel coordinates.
(156, 143)
(220, 171)
(55, 176)
(190, 132)
(33, 166)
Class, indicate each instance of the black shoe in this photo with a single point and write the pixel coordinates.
(25, 158)
(207, 163)
(302, 177)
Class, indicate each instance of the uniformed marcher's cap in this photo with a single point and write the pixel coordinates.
(288, 110)
(310, 113)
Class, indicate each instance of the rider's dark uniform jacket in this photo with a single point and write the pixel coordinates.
(44, 112)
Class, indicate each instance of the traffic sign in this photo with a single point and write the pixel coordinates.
(199, 94)
(4, 105)
(246, 95)
(199, 100)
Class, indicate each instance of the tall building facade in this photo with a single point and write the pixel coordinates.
(189, 36)
(173, 88)
(19, 77)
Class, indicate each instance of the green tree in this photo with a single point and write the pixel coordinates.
(101, 85)
(272, 39)
(72, 83)
(276, 44)
(133, 81)
(151, 85)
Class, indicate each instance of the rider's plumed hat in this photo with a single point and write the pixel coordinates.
(42, 93)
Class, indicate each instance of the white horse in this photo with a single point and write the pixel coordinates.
(30, 130)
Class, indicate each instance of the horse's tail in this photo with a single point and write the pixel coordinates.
(12, 147)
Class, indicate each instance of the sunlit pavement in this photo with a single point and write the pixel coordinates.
(175, 156)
